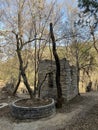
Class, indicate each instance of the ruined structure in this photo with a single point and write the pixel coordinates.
(68, 79)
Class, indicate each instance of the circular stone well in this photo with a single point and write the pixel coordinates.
(20, 112)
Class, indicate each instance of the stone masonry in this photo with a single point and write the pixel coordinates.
(68, 79)
(32, 112)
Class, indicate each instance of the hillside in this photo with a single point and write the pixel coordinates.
(9, 69)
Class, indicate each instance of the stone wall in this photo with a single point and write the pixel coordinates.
(68, 79)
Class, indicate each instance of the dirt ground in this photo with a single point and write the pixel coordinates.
(87, 119)
(79, 114)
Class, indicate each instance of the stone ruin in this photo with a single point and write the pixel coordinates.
(68, 79)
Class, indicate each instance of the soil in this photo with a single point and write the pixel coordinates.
(33, 102)
(81, 113)
(66, 108)
(87, 121)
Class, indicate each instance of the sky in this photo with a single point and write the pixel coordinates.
(66, 4)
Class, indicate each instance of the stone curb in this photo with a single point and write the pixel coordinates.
(32, 112)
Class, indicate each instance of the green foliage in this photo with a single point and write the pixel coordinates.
(88, 5)
(9, 69)
(83, 53)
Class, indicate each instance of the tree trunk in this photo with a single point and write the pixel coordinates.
(78, 79)
(78, 75)
(26, 83)
(59, 89)
(17, 85)
(22, 69)
(35, 73)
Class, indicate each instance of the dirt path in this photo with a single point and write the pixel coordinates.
(87, 119)
(79, 114)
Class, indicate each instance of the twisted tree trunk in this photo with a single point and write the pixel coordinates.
(22, 68)
(57, 61)
(18, 83)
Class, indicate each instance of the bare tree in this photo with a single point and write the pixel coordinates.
(26, 23)
(77, 44)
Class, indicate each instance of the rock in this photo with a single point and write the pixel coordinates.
(2, 105)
